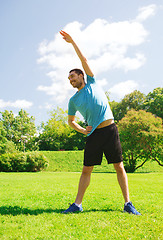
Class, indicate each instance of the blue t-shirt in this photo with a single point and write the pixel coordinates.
(92, 103)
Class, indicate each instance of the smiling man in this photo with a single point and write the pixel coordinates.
(102, 133)
(76, 78)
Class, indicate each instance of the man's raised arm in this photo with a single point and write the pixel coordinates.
(83, 60)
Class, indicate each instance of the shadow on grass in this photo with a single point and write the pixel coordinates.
(17, 210)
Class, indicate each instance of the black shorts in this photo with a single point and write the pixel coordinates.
(103, 140)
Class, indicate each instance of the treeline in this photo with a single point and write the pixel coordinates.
(138, 116)
(152, 102)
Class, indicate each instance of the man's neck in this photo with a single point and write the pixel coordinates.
(82, 86)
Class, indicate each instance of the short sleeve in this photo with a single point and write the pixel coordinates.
(90, 79)
(71, 108)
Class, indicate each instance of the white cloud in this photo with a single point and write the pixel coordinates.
(46, 106)
(121, 89)
(131, 63)
(146, 12)
(17, 104)
(106, 44)
(102, 82)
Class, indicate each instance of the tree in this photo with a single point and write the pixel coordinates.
(154, 102)
(57, 134)
(7, 120)
(25, 131)
(134, 100)
(55, 131)
(5, 145)
(141, 137)
(19, 129)
(76, 140)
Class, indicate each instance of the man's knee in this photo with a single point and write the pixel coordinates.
(87, 170)
(119, 167)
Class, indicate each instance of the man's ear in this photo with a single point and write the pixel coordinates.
(81, 75)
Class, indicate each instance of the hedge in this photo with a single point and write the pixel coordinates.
(23, 162)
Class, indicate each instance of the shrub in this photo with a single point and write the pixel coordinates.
(23, 162)
(5, 163)
(35, 162)
(7, 146)
(18, 162)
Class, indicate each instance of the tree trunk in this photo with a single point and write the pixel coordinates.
(140, 165)
(158, 162)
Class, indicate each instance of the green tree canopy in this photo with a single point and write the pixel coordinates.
(57, 134)
(154, 102)
(19, 129)
(5, 145)
(134, 100)
(55, 131)
(141, 137)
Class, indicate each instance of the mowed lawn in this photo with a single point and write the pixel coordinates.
(31, 205)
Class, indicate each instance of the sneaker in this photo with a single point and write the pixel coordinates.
(73, 208)
(131, 209)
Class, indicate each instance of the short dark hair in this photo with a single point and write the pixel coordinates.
(77, 71)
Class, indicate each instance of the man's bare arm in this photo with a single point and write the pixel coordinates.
(77, 127)
(83, 60)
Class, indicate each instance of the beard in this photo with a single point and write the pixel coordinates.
(77, 84)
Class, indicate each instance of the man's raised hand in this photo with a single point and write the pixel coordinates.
(66, 36)
(83, 60)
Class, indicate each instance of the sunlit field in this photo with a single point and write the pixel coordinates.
(31, 206)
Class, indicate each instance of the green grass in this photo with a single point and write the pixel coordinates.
(31, 205)
(72, 161)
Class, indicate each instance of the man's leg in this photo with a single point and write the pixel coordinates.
(83, 183)
(122, 180)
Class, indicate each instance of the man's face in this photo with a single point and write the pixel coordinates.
(76, 80)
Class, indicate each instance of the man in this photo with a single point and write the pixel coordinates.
(102, 133)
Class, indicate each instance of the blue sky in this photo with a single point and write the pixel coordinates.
(122, 41)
